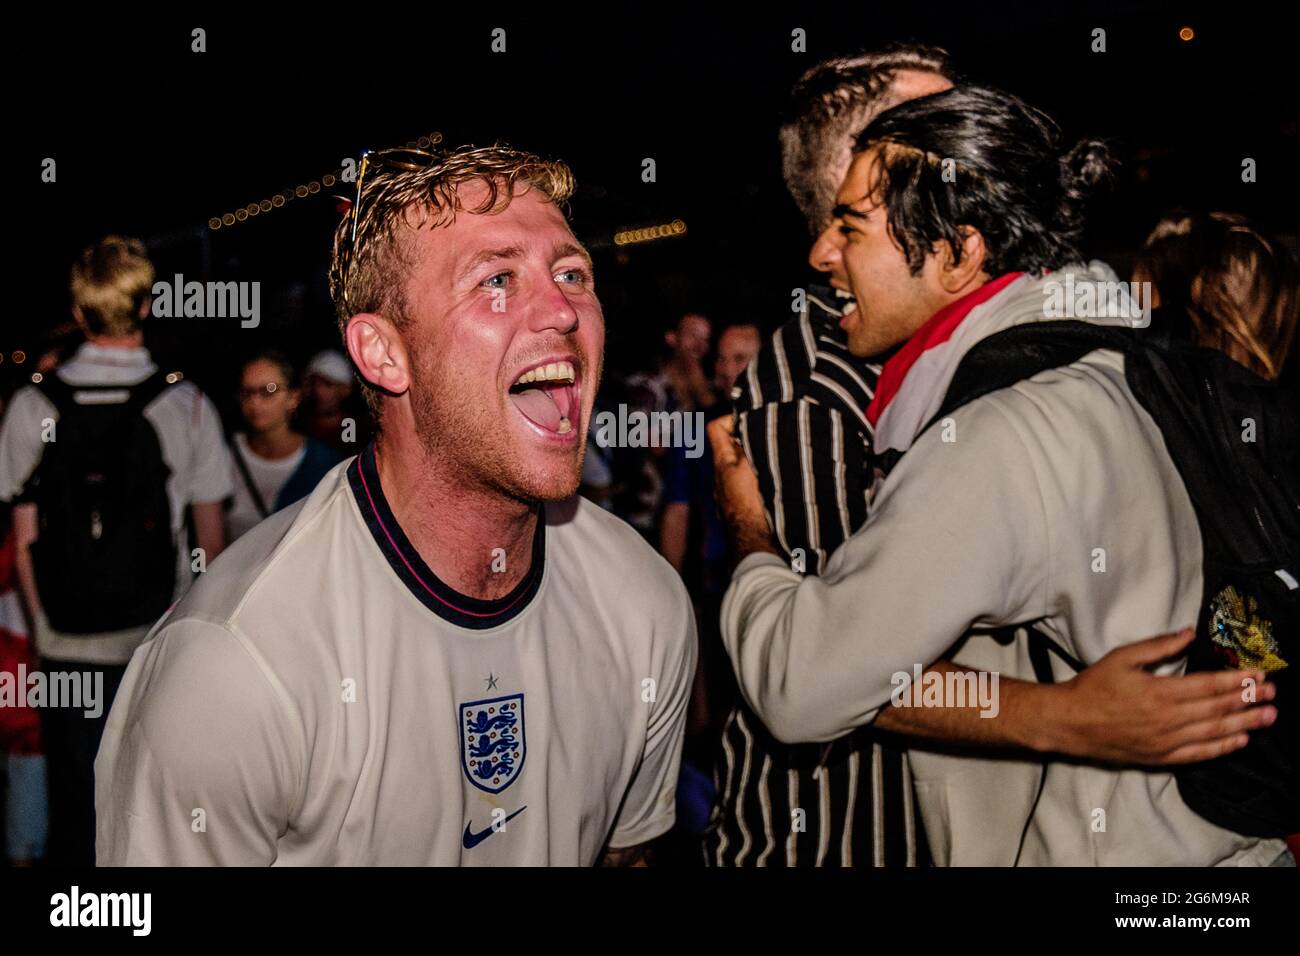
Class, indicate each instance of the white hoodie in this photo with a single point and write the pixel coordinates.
(1004, 517)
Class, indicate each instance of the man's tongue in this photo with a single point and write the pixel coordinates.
(538, 406)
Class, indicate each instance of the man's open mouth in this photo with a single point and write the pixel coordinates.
(547, 395)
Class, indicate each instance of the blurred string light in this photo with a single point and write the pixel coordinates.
(1186, 34)
(628, 237)
(254, 209)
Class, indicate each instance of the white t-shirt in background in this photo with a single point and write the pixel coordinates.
(269, 476)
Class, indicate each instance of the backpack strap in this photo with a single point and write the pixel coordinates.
(1198, 398)
(247, 476)
(143, 393)
(1015, 354)
(56, 391)
(1022, 351)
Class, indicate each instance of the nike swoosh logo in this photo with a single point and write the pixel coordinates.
(472, 839)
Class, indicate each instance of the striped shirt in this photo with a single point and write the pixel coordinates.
(800, 417)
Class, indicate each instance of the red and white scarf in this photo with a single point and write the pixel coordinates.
(915, 380)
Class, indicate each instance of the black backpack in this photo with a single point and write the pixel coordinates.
(105, 558)
(1247, 500)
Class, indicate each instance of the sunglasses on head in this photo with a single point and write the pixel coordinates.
(406, 158)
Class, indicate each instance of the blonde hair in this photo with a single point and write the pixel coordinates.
(1239, 287)
(369, 273)
(110, 283)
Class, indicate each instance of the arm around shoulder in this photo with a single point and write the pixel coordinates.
(956, 538)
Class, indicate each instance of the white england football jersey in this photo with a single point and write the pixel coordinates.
(320, 697)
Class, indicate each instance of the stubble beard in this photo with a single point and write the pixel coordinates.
(474, 438)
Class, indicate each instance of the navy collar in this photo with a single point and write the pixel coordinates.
(440, 598)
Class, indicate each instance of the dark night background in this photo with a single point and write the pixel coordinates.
(153, 140)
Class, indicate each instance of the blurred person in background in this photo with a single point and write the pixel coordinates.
(1223, 283)
(25, 803)
(23, 781)
(693, 540)
(679, 384)
(103, 459)
(1220, 281)
(688, 344)
(691, 535)
(333, 413)
(274, 465)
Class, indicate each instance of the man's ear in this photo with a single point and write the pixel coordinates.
(79, 318)
(378, 351)
(960, 277)
(145, 306)
(670, 340)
